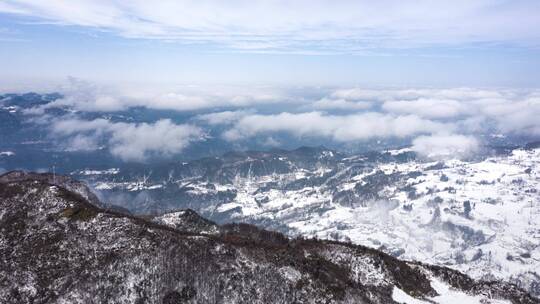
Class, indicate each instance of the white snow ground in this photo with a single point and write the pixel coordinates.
(498, 238)
(447, 295)
(479, 217)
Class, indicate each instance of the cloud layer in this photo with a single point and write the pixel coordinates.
(128, 141)
(445, 146)
(436, 122)
(85, 96)
(430, 108)
(341, 128)
(316, 26)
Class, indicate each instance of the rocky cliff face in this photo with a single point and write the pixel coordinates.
(58, 245)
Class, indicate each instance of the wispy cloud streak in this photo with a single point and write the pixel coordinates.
(317, 26)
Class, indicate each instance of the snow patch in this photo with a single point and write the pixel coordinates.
(447, 295)
(112, 171)
(7, 153)
(290, 274)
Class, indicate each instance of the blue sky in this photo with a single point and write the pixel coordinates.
(420, 43)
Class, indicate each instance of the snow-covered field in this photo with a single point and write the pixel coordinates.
(447, 295)
(478, 217)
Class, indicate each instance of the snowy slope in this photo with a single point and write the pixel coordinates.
(480, 217)
(57, 247)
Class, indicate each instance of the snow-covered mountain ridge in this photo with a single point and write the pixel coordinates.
(478, 216)
(57, 247)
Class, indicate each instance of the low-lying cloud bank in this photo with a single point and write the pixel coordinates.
(341, 128)
(128, 141)
(429, 108)
(508, 112)
(341, 104)
(85, 96)
(436, 121)
(511, 110)
(445, 146)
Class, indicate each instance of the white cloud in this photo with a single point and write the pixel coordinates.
(371, 113)
(128, 141)
(271, 142)
(400, 113)
(74, 126)
(463, 93)
(180, 102)
(372, 94)
(425, 107)
(445, 146)
(340, 104)
(86, 96)
(397, 112)
(11, 8)
(82, 142)
(205, 100)
(136, 142)
(389, 94)
(518, 117)
(514, 114)
(474, 110)
(223, 118)
(341, 128)
(303, 25)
